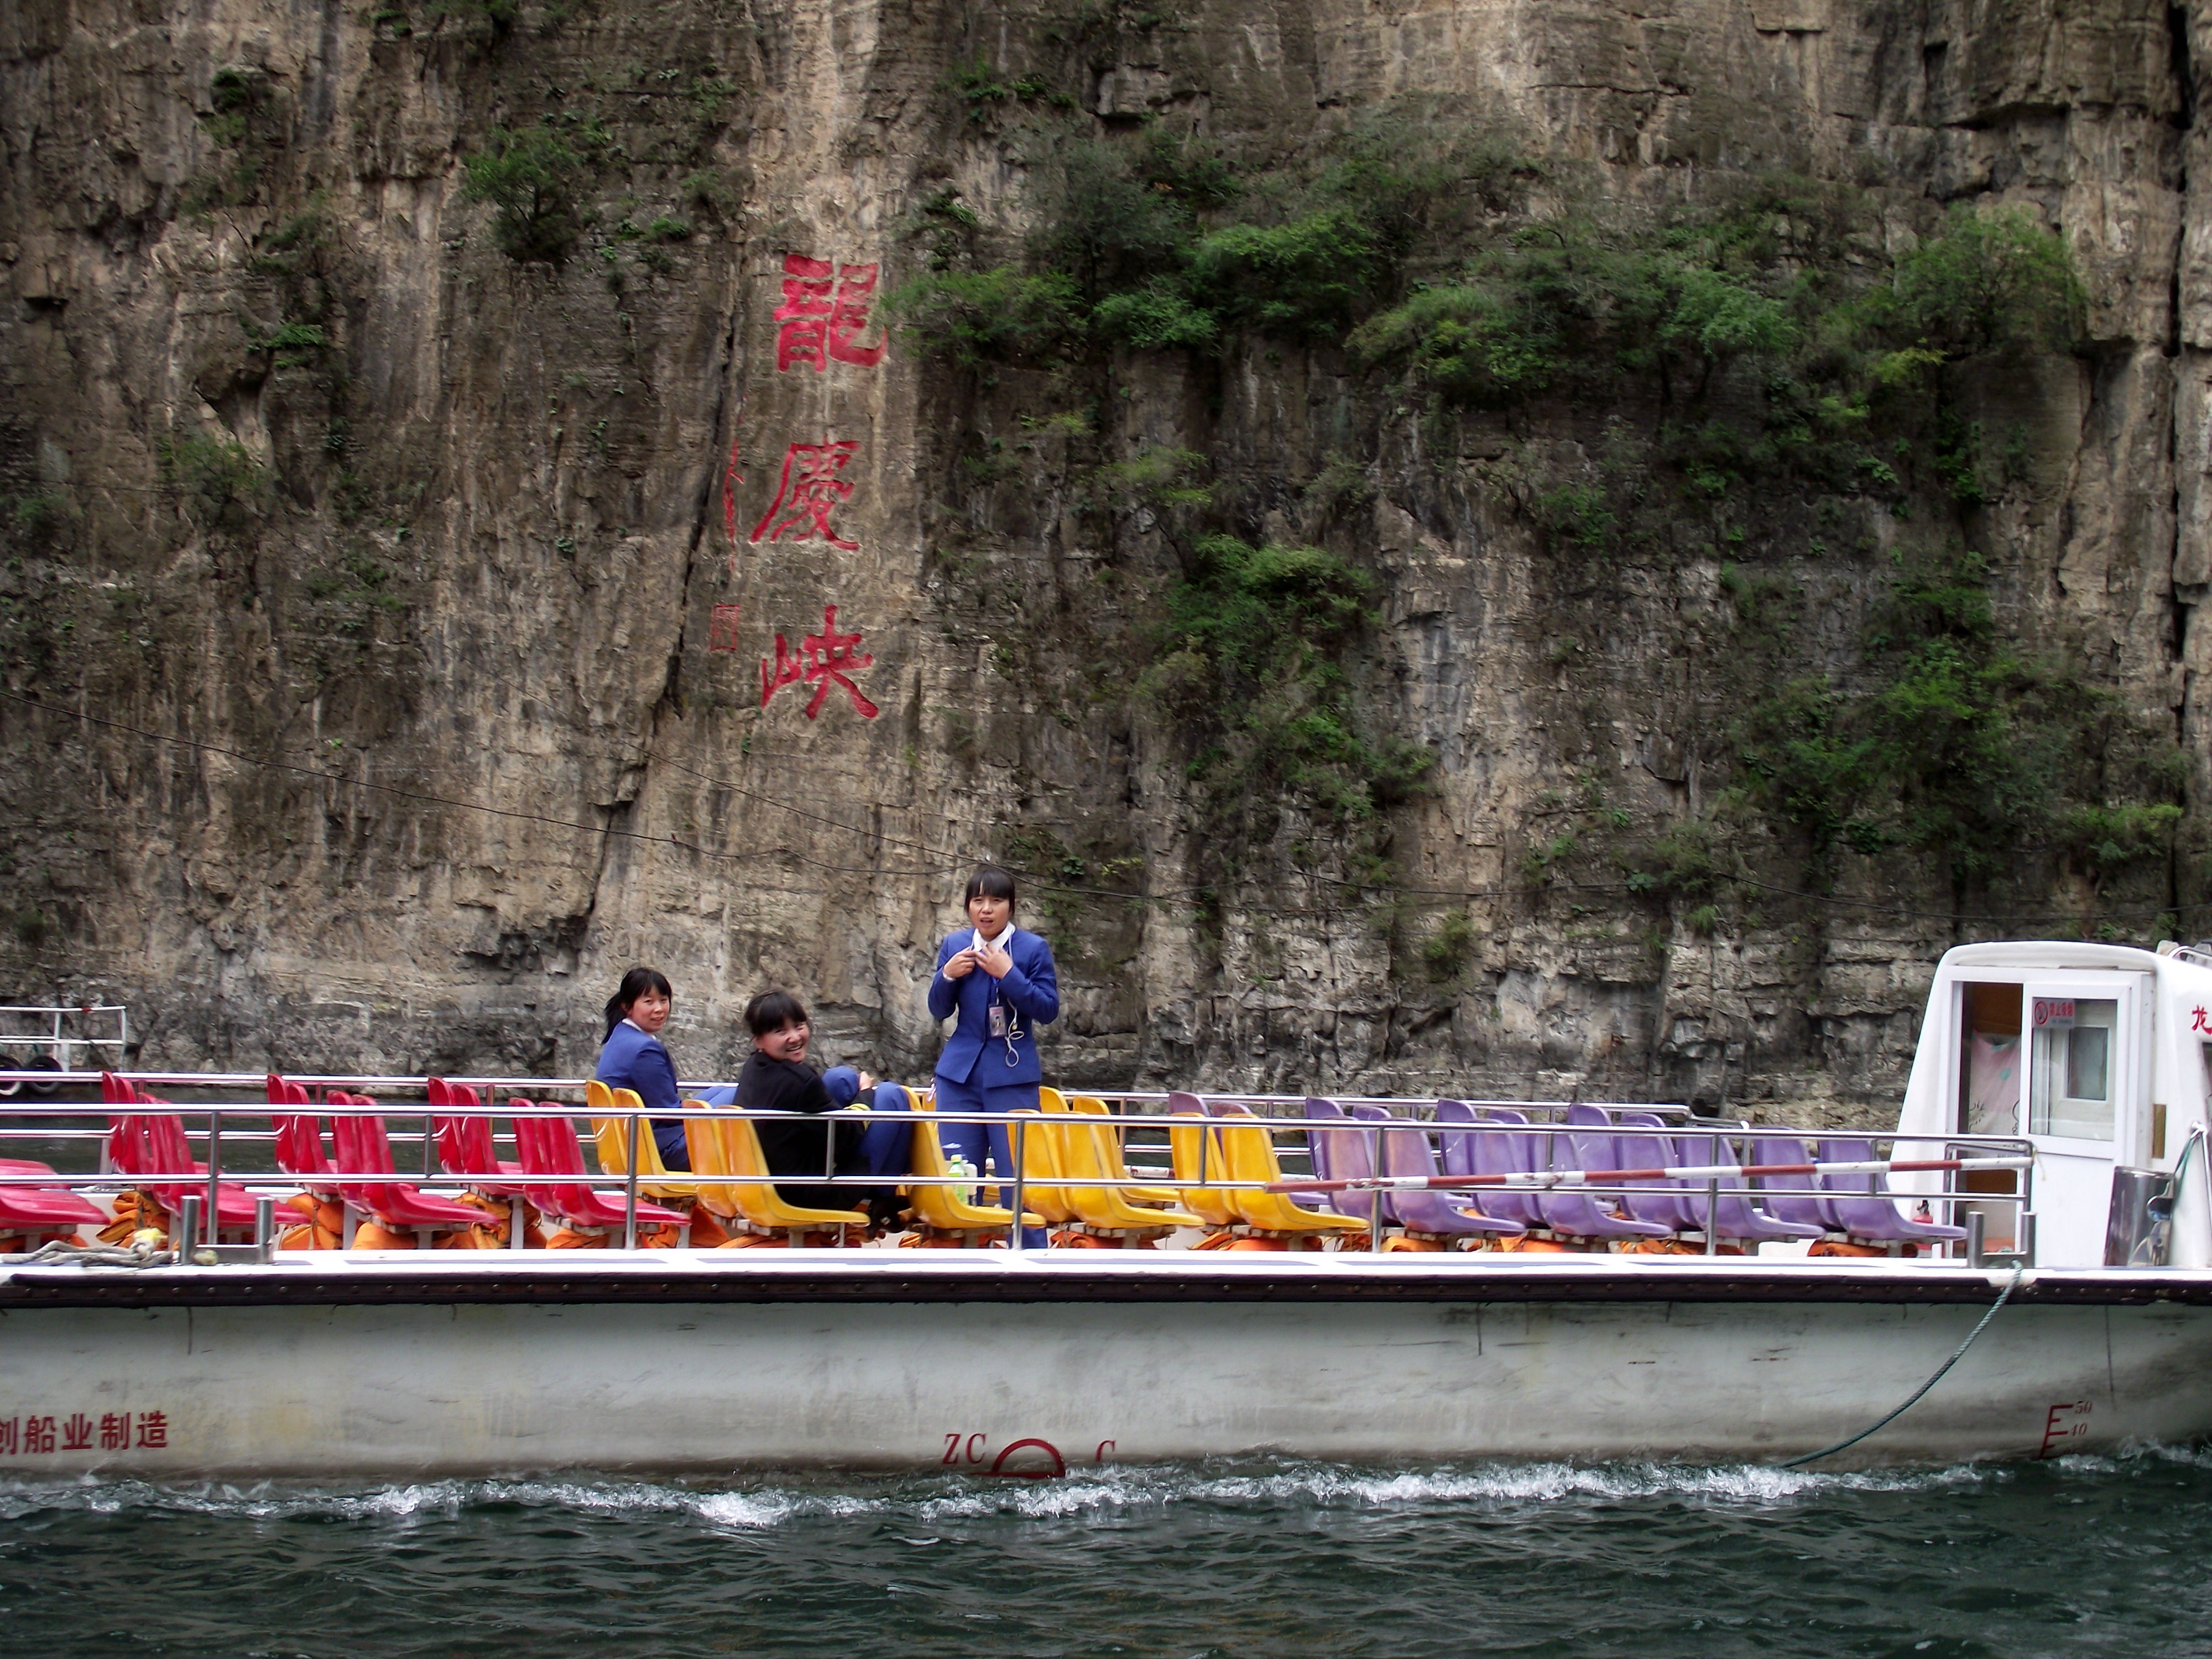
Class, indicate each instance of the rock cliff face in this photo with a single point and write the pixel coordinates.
(406, 633)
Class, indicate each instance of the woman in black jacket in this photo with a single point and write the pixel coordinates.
(777, 1079)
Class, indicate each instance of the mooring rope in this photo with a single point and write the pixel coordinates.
(1942, 1370)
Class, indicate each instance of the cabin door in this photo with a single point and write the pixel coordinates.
(2080, 1100)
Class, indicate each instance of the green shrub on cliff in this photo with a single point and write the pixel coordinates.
(534, 180)
(1951, 743)
(1250, 659)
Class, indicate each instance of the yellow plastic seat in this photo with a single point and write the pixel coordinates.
(728, 1145)
(1192, 1143)
(938, 1208)
(1250, 1151)
(1091, 1151)
(1043, 1165)
(611, 1135)
(1159, 1197)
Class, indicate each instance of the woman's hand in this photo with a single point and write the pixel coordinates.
(960, 964)
(995, 960)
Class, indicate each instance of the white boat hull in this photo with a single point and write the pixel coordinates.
(392, 1368)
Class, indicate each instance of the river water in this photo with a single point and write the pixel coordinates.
(1253, 1560)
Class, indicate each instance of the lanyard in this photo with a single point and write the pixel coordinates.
(1012, 1020)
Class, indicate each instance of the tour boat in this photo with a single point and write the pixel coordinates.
(2025, 1271)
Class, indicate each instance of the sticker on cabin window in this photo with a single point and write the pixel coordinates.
(2053, 1010)
(39, 1435)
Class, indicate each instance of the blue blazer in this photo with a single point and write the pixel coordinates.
(632, 1061)
(1031, 989)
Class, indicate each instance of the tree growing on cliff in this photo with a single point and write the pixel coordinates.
(532, 180)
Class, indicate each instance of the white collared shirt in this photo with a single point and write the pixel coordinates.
(1004, 942)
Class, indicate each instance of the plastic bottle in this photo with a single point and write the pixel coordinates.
(959, 1167)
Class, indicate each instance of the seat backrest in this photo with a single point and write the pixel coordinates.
(1584, 1146)
(126, 1143)
(465, 1143)
(739, 1144)
(1661, 1200)
(611, 1136)
(936, 1206)
(1195, 1154)
(1345, 1154)
(1048, 1143)
(1499, 1154)
(533, 1150)
(1802, 1207)
(166, 1152)
(364, 1152)
(300, 1145)
(1360, 1164)
(1248, 1151)
(1407, 1154)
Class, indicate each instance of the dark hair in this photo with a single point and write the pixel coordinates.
(990, 882)
(635, 983)
(773, 1010)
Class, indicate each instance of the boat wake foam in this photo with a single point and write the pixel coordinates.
(1503, 1487)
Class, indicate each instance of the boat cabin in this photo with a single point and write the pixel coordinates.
(2098, 1055)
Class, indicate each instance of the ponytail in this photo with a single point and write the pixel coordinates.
(634, 984)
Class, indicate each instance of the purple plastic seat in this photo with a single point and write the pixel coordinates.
(1661, 1200)
(1802, 1207)
(1861, 1205)
(1498, 1153)
(1468, 1151)
(1405, 1151)
(1588, 1214)
(1739, 1217)
(1339, 1155)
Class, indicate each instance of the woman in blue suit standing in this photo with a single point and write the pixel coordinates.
(998, 984)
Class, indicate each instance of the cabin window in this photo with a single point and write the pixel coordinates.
(2072, 1066)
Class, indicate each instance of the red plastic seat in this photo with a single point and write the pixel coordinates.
(158, 1149)
(549, 1147)
(42, 1209)
(465, 1147)
(364, 1149)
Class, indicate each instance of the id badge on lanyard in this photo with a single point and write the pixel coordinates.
(1004, 1027)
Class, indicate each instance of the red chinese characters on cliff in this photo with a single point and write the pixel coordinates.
(823, 660)
(810, 489)
(824, 312)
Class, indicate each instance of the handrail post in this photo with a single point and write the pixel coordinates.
(1375, 1209)
(215, 1174)
(1713, 1200)
(1015, 1144)
(629, 1190)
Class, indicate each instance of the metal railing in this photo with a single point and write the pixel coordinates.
(60, 1048)
(232, 1134)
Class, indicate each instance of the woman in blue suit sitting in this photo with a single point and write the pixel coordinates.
(997, 982)
(633, 1058)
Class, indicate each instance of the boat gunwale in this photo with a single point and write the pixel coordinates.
(891, 1277)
